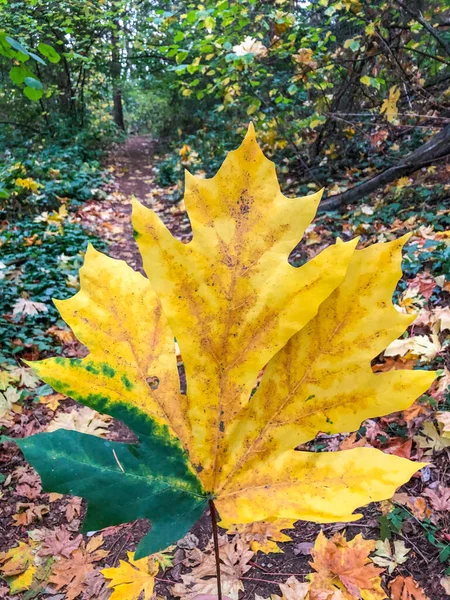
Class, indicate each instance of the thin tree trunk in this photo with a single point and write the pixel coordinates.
(115, 76)
(437, 147)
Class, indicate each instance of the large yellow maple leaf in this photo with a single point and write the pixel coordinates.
(235, 306)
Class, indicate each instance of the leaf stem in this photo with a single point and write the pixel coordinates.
(212, 510)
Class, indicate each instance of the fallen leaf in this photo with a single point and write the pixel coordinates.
(439, 497)
(23, 306)
(71, 573)
(58, 542)
(430, 439)
(132, 578)
(18, 564)
(420, 345)
(293, 589)
(84, 420)
(27, 513)
(73, 508)
(262, 535)
(234, 555)
(405, 588)
(52, 400)
(345, 566)
(27, 377)
(416, 504)
(390, 556)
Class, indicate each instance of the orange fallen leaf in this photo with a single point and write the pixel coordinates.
(405, 588)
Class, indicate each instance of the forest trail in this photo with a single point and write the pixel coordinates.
(132, 166)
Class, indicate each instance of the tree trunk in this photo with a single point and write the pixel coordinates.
(118, 108)
(437, 147)
(116, 70)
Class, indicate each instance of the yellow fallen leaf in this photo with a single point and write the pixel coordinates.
(131, 579)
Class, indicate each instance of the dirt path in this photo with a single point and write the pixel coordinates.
(132, 165)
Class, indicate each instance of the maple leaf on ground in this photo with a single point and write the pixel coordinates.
(443, 418)
(6, 377)
(84, 420)
(386, 556)
(18, 564)
(234, 558)
(71, 573)
(405, 588)
(430, 439)
(29, 491)
(262, 535)
(8, 400)
(58, 542)
(131, 579)
(293, 589)
(419, 345)
(235, 305)
(28, 512)
(73, 508)
(28, 307)
(51, 401)
(27, 377)
(345, 566)
(416, 504)
(439, 497)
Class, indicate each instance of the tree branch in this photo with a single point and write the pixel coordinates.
(431, 30)
(436, 148)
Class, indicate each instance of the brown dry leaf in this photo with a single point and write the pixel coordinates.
(73, 508)
(399, 447)
(96, 587)
(430, 439)
(414, 411)
(416, 504)
(441, 386)
(344, 566)
(234, 557)
(393, 364)
(84, 420)
(72, 572)
(420, 346)
(262, 535)
(28, 512)
(351, 442)
(63, 335)
(439, 498)
(443, 418)
(29, 491)
(293, 589)
(58, 542)
(405, 588)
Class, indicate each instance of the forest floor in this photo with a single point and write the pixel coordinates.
(42, 550)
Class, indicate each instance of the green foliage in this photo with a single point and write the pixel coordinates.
(33, 181)
(37, 260)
